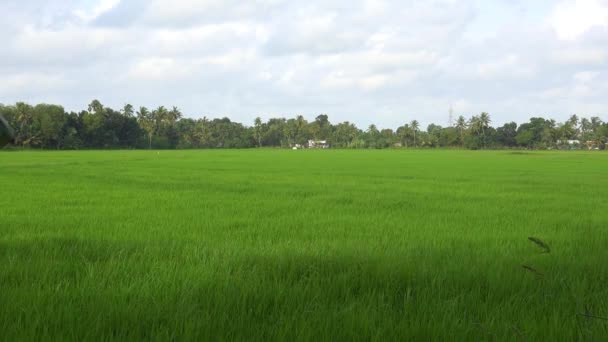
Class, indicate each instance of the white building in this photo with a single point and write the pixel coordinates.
(318, 144)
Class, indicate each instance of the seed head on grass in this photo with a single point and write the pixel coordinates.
(540, 244)
(532, 269)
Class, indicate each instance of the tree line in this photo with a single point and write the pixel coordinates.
(49, 126)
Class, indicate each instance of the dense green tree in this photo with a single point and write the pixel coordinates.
(49, 120)
(602, 135)
(202, 133)
(597, 134)
(450, 137)
(302, 132)
(274, 132)
(290, 131)
(478, 126)
(435, 136)
(344, 135)
(505, 135)
(72, 132)
(321, 128)
(50, 126)
(525, 138)
(372, 136)
(186, 130)
(386, 138)
(537, 133)
(92, 128)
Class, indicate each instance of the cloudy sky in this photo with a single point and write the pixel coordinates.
(380, 61)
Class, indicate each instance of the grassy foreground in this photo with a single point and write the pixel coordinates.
(303, 245)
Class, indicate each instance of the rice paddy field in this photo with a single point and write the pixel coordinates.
(304, 245)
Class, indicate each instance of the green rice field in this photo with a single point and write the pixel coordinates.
(325, 245)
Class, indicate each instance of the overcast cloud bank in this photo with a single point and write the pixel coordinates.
(380, 61)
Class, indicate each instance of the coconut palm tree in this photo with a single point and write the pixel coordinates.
(257, 130)
(300, 129)
(95, 107)
(461, 126)
(127, 110)
(146, 121)
(24, 118)
(573, 122)
(403, 132)
(596, 125)
(174, 114)
(160, 114)
(484, 122)
(475, 125)
(415, 125)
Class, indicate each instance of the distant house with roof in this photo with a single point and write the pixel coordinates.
(318, 144)
(593, 144)
(569, 144)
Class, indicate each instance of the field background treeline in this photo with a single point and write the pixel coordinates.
(49, 126)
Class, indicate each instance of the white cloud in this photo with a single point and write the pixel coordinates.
(572, 18)
(186, 12)
(24, 84)
(583, 56)
(586, 76)
(510, 66)
(381, 61)
(159, 69)
(100, 8)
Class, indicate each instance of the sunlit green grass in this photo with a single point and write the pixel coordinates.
(303, 245)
